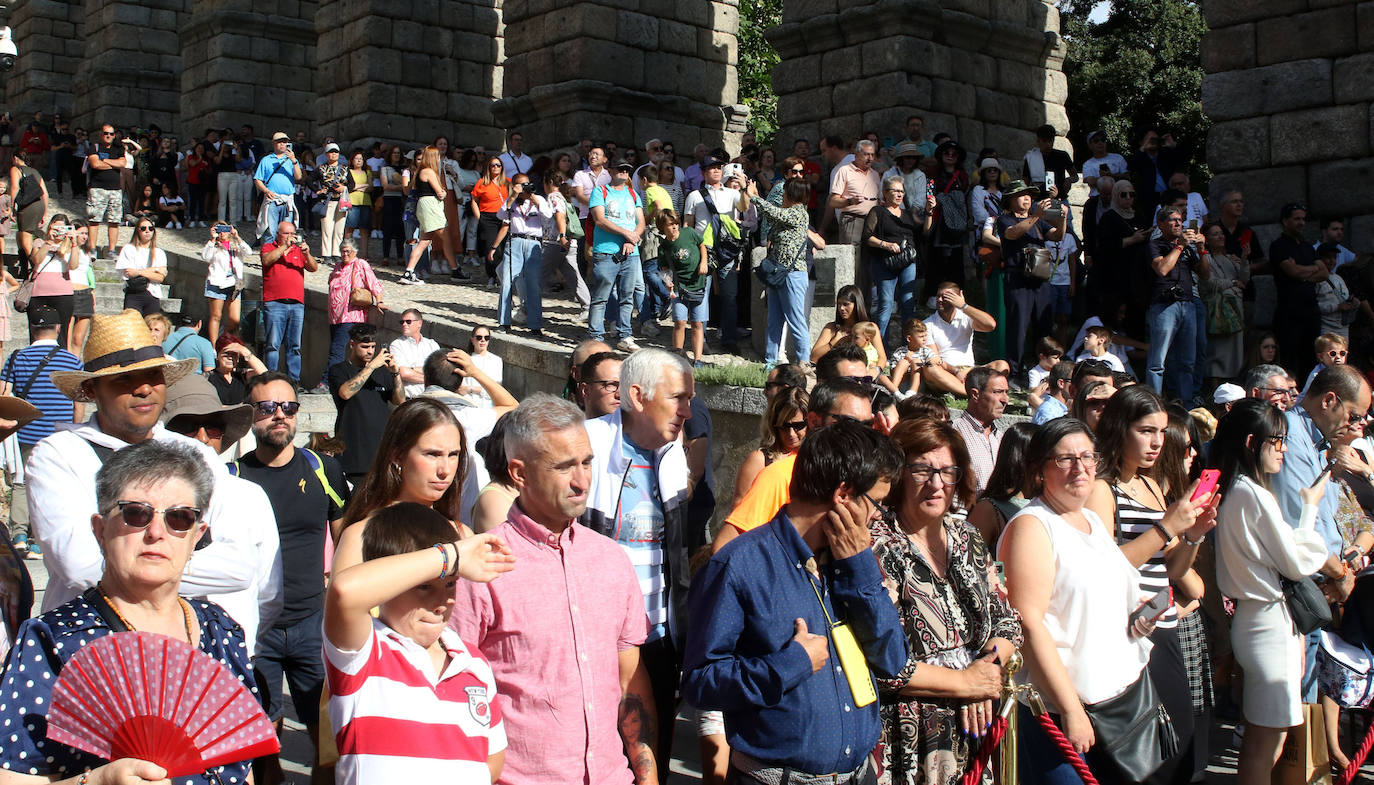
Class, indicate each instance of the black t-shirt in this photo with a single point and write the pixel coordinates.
(303, 512)
(1295, 297)
(362, 418)
(228, 163)
(1178, 284)
(106, 179)
(61, 139)
(1058, 163)
(1011, 249)
(232, 392)
(164, 170)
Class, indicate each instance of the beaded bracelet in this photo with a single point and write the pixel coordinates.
(443, 572)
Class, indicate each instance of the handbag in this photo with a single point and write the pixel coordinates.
(1344, 671)
(360, 296)
(20, 300)
(1037, 263)
(1306, 604)
(905, 257)
(1134, 730)
(1225, 314)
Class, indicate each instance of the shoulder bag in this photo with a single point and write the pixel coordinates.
(1037, 262)
(1134, 730)
(20, 300)
(1306, 604)
(360, 296)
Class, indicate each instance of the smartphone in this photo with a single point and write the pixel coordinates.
(1192, 224)
(290, 146)
(223, 228)
(1352, 556)
(1324, 474)
(1155, 608)
(1207, 483)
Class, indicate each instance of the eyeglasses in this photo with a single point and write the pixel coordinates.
(107, 133)
(145, 228)
(1089, 459)
(139, 515)
(1279, 442)
(1281, 392)
(877, 505)
(188, 426)
(497, 166)
(1352, 417)
(796, 171)
(481, 337)
(846, 418)
(1337, 353)
(796, 427)
(414, 321)
(1125, 194)
(606, 385)
(269, 408)
(923, 473)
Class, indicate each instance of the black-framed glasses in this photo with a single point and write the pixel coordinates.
(606, 385)
(188, 426)
(796, 426)
(107, 133)
(846, 418)
(1282, 392)
(139, 515)
(481, 337)
(1351, 417)
(924, 473)
(882, 509)
(414, 321)
(1279, 442)
(269, 408)
(1088, 459)
(796, 171)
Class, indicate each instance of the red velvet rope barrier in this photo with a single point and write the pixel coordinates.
(974, 775)
(1348, 776)
(1070, 755)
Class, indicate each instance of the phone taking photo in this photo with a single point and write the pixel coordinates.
(1155, 608)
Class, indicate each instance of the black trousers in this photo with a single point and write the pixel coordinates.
(665, 672)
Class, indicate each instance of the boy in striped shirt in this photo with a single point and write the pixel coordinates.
(409, 701)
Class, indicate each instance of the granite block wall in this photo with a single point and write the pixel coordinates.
(132, 55)
(50, 36)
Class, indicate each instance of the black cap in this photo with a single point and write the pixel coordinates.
(712, 161)
(624, 167)
(43, 316)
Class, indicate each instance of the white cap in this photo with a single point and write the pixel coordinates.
(989, 163)
(1227, 393)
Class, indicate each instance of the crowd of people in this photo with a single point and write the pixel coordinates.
(550, 593)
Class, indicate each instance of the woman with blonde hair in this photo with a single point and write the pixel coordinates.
(429, 212)
(784, 426)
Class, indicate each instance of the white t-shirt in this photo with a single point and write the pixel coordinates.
(1036, 375)
(1063, 251)
(588, 183)
(1113, 161)
(954, 339)
(725, 199)
(1113, 348)
(132, 257)
(492, 366)
(1107, 357)
(376, 164)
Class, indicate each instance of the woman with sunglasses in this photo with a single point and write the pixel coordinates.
(150, 497)
(1076, 594)
(784, 427)
(489, 195)
(54, 256)
(479, 349)
(959, 627)
(235, 364)
(1257, 548)
(144, 267)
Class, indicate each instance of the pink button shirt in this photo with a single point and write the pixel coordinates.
(553, 629)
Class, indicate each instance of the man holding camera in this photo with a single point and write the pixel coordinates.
(104, 201)
(362, 386)
(721, 198)
(276, 179)
(285, 261)
(618, 217)
(1177, 254)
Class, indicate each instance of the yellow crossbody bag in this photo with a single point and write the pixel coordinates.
(852, 658)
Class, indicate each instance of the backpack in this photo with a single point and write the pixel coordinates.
(316, 465)
(726, 247)
(30, 188)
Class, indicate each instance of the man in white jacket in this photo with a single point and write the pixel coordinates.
(126, 376)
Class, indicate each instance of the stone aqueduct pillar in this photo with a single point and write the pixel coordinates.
(128, 74)
(1290, 91)
(986, 71)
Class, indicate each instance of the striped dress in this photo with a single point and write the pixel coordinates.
(1132, 520)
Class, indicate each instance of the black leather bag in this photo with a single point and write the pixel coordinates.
(1306, 604)
(904, 258)
(1134, 731)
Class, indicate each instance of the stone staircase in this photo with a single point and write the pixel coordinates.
(109, 290)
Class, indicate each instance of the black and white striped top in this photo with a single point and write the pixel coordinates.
(1134, 519)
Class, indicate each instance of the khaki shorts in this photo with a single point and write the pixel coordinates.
(104, 206)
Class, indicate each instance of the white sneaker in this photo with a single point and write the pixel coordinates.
(376, 234)
(627, 344)
(410, 279)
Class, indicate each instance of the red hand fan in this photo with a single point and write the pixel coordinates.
(147, 696)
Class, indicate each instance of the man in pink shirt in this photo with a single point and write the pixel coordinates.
(562, 630)
(854, 191)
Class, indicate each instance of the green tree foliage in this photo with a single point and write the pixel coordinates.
(756, 60)
(1141, 67)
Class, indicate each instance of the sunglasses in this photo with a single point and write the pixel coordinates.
(796, 427)
(797, 171)
(145, 228)
(139, 515)
(481, 337)
(410, 321)
(188, 426)
(269, 408)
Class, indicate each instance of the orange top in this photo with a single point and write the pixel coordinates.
(770, 491)
(490, 196)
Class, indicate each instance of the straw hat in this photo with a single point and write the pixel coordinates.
(19, 410)
(119, 344)
(908, 150)
(196, 397)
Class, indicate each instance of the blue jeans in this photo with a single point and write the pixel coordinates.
(788, 303)
(900, 286)
(608, 274)
(338, 344)
(728, 277)
(521, 267)
(276, 213)
(656, 297)
(292, 650)
(1200, 352)
(1039, 761)
(1172, 327)
(284, 324)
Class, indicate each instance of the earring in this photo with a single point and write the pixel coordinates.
(395, 470)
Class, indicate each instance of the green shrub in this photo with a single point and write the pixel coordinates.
(743, 375)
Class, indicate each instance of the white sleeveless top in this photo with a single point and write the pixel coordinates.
(1095, 590)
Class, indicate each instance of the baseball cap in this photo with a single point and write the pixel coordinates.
(43, 316)
(331, 148)
(1227, 393)
(712, 161)
(624, 167)
(280, 136)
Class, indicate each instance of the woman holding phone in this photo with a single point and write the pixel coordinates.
(1158, 539)
(1256, 549)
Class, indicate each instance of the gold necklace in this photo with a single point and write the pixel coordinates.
(185, 612)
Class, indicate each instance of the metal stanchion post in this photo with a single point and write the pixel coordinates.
(1006, 761)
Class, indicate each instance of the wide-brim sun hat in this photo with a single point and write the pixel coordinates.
(195, 396)
(119, 343)
(19, 410)
(907, 150)
(1016, 188)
